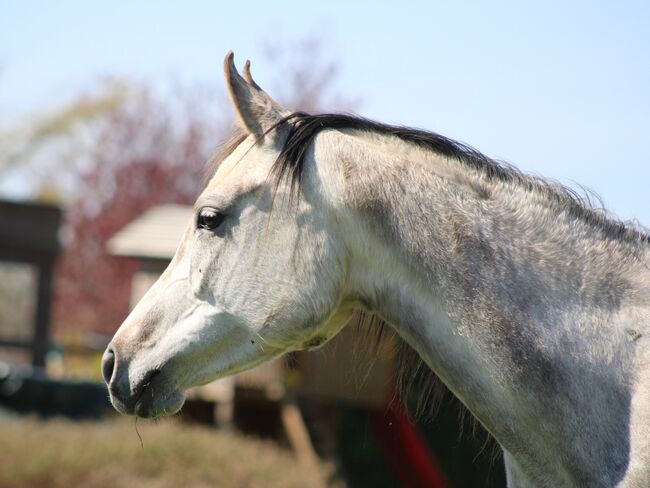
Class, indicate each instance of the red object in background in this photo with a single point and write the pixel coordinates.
(406, 450)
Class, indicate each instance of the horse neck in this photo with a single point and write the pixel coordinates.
(515, 303)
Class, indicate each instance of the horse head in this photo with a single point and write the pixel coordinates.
(259, 272)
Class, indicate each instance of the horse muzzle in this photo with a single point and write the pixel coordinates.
(145, 393)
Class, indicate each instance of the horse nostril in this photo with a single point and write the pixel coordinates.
(108, 365)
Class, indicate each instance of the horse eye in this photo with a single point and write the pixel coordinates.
(209, 218)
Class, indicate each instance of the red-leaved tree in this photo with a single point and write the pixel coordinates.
(145, 153)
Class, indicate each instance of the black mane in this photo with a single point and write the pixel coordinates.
(302, 128)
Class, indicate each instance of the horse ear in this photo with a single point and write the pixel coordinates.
(256, 110)
(247, 75)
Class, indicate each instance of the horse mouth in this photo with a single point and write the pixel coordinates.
(154, 398)
(145, 389)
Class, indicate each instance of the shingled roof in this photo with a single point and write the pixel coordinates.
(153, 235)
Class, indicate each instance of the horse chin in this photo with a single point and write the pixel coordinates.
(152, 405)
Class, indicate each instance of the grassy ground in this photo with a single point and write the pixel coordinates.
(59, 453)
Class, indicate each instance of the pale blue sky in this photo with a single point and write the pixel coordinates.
(560, 89)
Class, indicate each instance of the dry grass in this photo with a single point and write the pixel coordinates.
(60, 453)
